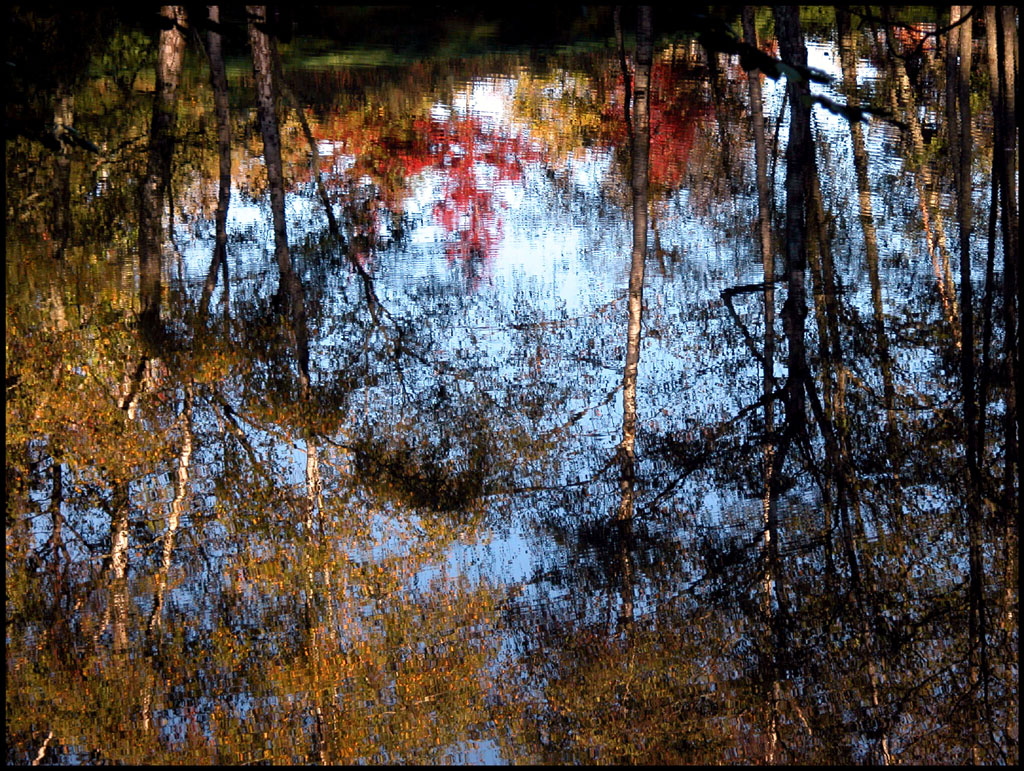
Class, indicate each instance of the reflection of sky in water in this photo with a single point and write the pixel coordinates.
(556, 279)
(559, 257)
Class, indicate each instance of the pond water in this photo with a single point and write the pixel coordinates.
(387, 386)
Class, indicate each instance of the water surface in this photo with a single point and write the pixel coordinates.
(454, 410)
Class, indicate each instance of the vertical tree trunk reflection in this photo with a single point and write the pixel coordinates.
(641, 139)
(799, 158)
(799, 162)
(958, 69)
(985, 368)
(769, 508)
(219, 82)
(961, 147)
(640, 162)
(117, 566)
(170, 55)
(806, 240)
(264, 50)
(719, 85)
(290, 293)
(1006, 118)
(848, 60)
(314, 488)
(178, 505)
(1000, 55)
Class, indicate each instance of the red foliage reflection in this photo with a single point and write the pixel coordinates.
(677, 109)
(470, 157)
(473, 160)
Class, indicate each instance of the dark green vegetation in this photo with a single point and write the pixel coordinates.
(389, 385)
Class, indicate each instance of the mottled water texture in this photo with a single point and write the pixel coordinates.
(568, 385)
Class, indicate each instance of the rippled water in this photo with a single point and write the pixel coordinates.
(385, 491)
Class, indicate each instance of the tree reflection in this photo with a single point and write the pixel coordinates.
(376, 512)
(219, 83)
(641, 143)
(158, 171)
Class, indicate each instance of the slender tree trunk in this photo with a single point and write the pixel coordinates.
(290, 291)
(799, 160)
(117, 610)
(799, 166)
(959, 68)
(219, 82)
(1009, 62)
(764, 209)
(56, 509)
(178, 505)
(264, 50)
(992, 59)
(962, 151)
(718, 87)
(170, 55)
(640, 160)
(769, 513)
(60, 563)
(1008, 119)
(314, 487)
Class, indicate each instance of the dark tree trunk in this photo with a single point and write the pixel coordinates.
(1006, 115)
(290, 292)
(799, 162)
(958, 67)
(158, 168)
(219, 82)
(769, 502)
(264, 50)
